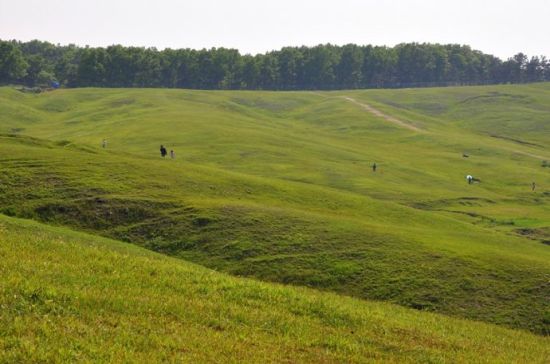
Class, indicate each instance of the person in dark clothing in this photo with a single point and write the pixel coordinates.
(374, 167)
(533, 186)
(163, 151)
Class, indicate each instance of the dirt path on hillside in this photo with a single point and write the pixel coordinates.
(380, 114)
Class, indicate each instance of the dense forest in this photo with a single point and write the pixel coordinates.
(322, 67)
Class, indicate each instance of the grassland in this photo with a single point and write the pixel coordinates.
(278, 186)
(71, 297)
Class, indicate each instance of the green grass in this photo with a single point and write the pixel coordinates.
(71, 297)
(278, 186)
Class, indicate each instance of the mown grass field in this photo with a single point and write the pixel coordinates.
(71, 297)
(279, 186)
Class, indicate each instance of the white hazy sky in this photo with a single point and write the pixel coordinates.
(499, 27)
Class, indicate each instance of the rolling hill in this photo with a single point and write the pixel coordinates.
(279, 186)
(72, 297)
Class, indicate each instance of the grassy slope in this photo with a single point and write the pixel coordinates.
(519, 113)
(300, 204)
(67, 296)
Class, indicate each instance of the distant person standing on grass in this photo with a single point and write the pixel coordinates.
(533, 186)
(104, 143)
(162, 151)
(172, 154)
(374, 167)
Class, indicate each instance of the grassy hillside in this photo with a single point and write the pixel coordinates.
(518, 114)
(67, 297)
(278, 186)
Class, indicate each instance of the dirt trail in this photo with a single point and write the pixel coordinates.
(380, 114)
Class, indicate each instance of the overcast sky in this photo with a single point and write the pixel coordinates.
(499, 27)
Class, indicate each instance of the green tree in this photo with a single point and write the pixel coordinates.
(319, 65)
(92, 67)
(269, 71)
(250, 73)
(534, 70)
(348, 70)
(37, 65)
(12, 64)
(379, 67)
(290, 68)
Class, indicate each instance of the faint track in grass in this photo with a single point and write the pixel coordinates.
(382, 115)
(536, 156)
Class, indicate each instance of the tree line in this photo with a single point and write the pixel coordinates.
(323, 67)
